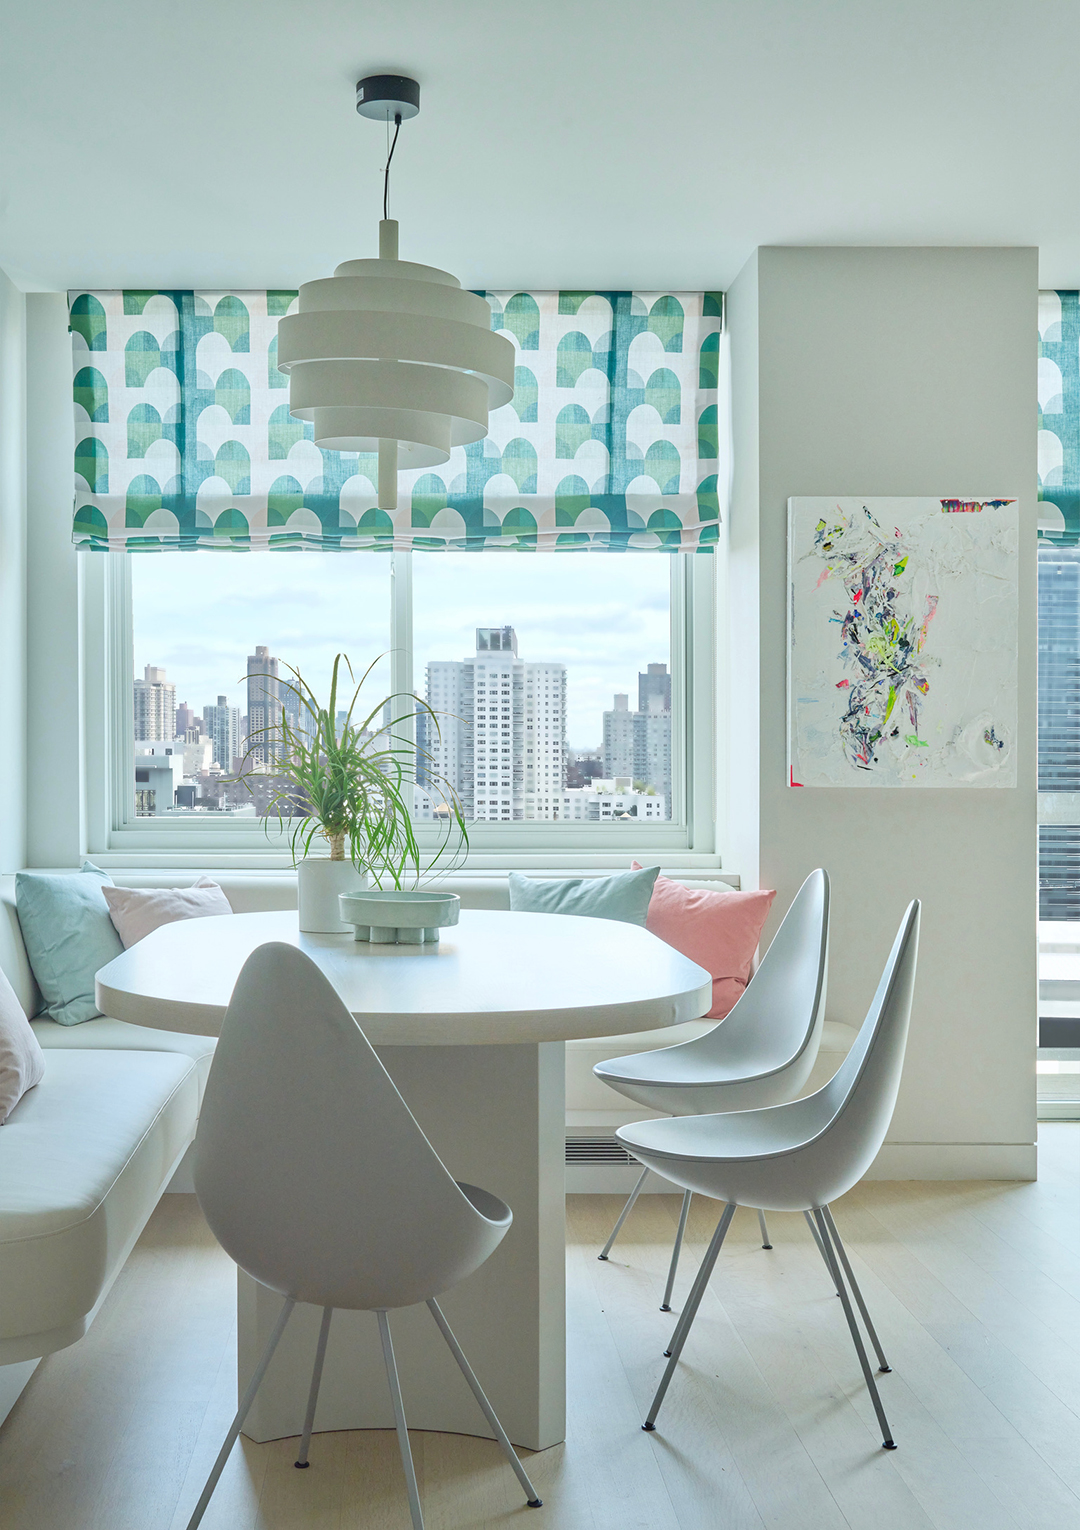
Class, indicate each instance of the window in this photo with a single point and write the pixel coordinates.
(561, 682)
(1059, 732)
(611, 452)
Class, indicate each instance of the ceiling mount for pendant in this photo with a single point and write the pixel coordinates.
(390, 356)
(385, 97)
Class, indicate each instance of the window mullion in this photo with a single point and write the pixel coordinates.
(699, 690)
(119, 701)
(401, 639)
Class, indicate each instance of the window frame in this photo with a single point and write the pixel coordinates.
(117, 838)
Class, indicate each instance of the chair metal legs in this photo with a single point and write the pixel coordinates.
(688, 1195)
(242, 1413)
(313, 1396)
(817, 1239)
(534, 1501)
(883, 1364)
(823, 1227)
(623, 1214)
(665, 1305)
(693, 1302)
(477, 1391)
(395, 1397)
(835, 1256)
(399, 1421)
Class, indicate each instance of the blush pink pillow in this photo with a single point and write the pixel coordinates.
(135, 911)
(718, 930)
(22, 1062)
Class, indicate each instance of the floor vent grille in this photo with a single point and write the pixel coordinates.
(597, 1150)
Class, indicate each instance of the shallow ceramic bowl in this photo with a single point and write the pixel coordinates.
(399, 918)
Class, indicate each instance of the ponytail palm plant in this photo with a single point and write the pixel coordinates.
(352, 784)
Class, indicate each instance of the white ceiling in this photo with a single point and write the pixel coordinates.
(214, 143)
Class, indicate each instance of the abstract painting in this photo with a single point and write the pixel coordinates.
(902, 630)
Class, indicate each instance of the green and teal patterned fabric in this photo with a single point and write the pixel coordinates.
(614, 439)
(1059, 411)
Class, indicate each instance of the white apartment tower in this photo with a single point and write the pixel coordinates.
(618, 749)
(155, 706)
(502, 730)
(638, 744)
(223, 728)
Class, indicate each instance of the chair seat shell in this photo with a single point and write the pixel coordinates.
(309, 1166)
(763, 1052)
(805, 1154)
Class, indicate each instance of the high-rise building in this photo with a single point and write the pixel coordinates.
(185, 719)
(1059, 731)
(267, 697)
(262, 706)
(654, 686)
(638, 744)
(501, 739)
(223, 729)
(155, 706)
(618, 751)
(652, 756)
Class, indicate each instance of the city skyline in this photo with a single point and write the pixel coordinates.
(500, 746)
(220, 721)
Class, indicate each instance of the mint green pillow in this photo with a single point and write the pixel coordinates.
(68, 936)
(624, 896)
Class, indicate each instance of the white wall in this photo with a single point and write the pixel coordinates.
(12, 577)
(740, 844)
(55, 735)
(907, 372)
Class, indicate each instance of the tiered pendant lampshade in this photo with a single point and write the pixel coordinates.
(392, 356)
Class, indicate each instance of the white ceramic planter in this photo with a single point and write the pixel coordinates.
(320, 883)
(399, 918)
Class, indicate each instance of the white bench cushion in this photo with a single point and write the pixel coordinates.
(122, 1036)
(84, 1158)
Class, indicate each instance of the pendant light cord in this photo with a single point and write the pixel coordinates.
(389, 157)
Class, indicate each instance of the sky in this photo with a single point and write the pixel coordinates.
(604, 615)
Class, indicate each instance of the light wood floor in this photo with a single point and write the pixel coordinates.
(975, 1289)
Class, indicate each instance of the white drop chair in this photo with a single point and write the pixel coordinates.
(797, 1157)
(761, 1053)
(316, 1179)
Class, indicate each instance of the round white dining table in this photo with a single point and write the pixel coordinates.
(472, 1031)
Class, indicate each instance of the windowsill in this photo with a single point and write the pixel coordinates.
(707, 867)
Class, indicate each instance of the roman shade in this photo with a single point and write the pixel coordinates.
(1059, 412)
(184, 439)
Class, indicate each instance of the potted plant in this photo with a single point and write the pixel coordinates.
(349, 787)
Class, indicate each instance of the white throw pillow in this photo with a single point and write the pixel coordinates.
(22, 1062)
(135, 911)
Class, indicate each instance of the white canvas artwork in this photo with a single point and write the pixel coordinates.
(902, 632)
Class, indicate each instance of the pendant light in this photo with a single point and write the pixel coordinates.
(390, 356)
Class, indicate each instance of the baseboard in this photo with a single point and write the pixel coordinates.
(614, 1179)
(12, 1380)
(897, 1160)
(955, 1160)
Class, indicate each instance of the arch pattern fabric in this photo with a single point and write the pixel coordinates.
(1059, 411)
(613, 441)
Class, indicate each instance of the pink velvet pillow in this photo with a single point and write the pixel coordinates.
(135, 911)
(22, 1062)
(718, 930)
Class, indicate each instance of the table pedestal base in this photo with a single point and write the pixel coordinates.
(496, 1117)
